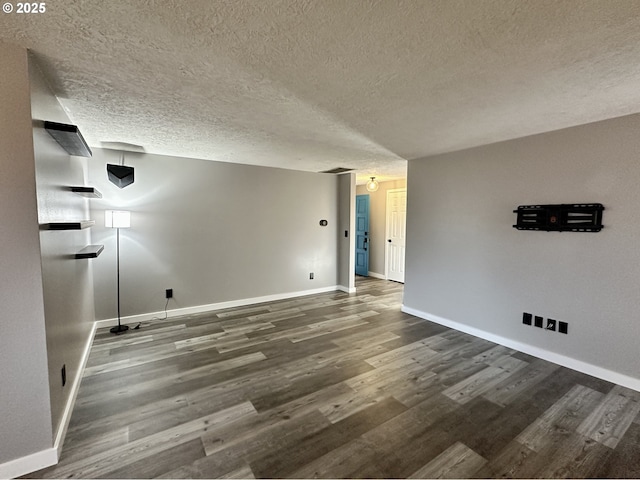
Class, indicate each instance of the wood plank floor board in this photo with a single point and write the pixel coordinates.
(90, 428)
(243, 311)
(280, 436)
(372, 339)
(405, 459)
(484, 380)
(257, 433)
(212, 466)
(106, 461)
(337, 385)
(575, 458)
(207, 372)
(154, 465)
(609, 421)
(525, 379)
(457, 461)
(497, 353)
(377, 452)
(496, 427)
(563, 418)
(321, 378)
(242, 472)
(624, 461)
(287, 462)
(514, 461)
(78, 447)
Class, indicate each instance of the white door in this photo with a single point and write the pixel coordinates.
(396, 231)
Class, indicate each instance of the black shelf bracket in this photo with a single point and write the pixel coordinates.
(575, 217)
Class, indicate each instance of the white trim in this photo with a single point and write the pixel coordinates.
(377, 275)
(109, 322)
(50, 456)
(68, 410)
(579, 365)
(29, 463)
(344, 289)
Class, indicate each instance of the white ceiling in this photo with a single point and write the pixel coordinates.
(313, 85)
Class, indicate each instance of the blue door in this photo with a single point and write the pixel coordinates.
(362, 235)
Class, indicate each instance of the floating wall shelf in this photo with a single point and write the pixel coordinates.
(69, 225)
(89, 192)
(90, 251)
(69, 138)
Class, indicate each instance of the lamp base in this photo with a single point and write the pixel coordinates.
(118, 329)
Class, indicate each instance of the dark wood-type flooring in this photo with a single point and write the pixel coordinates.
(337, 385)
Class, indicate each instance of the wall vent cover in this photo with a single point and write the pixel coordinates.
(338, 170)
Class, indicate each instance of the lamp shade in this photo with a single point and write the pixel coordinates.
(372, 185)
(117, 219)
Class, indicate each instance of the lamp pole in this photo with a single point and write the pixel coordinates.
(117, 220)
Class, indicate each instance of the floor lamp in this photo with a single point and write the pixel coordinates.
(118, 219)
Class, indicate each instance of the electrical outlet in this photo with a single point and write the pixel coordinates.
(63, 372)
(551, 324)
(311, 276)
(168, 293)
(563, 327)
(537, 321)
(526, 318)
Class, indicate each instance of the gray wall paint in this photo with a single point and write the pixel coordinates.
(212, 231)
(378, 222)
(346, 245)
(25, 415)
(68, 283)
(466, 263)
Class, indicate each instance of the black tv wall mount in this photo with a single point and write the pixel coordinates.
(576, 217)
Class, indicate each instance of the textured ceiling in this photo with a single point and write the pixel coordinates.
(313, 85)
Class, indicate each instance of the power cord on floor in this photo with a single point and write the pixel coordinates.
(137, 327)
(165, 311)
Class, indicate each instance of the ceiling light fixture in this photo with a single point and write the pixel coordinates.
(120, 175)
(372, 185)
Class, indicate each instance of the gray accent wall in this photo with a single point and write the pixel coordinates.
(378, 222)
(346, 220)
(25, 410)
(67, 282)
(465, 262)
(212, 231)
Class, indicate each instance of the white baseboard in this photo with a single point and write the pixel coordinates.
(574, 364)
(68, 409)
(110, 322)
(50, 456)
(344, 289)
(377, 275)
(30, 463)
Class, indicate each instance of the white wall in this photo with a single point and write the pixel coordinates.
(214, 232)
(67, 282)
(25, 415)
(466, 264)
(378, 223)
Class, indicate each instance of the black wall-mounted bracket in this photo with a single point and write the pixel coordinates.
(576, 217)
